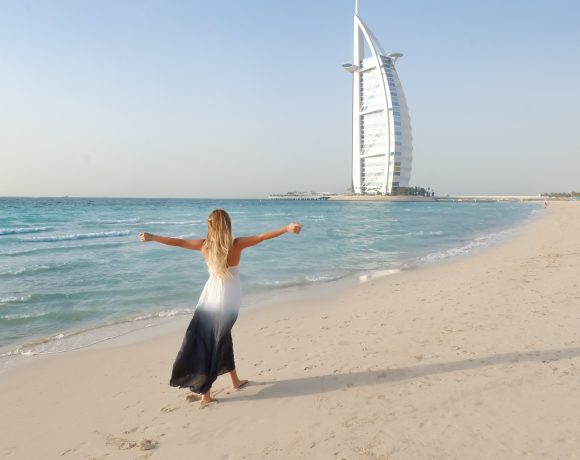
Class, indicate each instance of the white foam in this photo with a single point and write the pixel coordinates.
(16, 351)
(321, 279)
(15, 299)
(478, 243)
(32, 269)
(377, 274)
(424, 233)
(78, 236)
(14, 231)
(22, 316)
(75, 340)
(118, 221)
(178, 222)
(164, 314)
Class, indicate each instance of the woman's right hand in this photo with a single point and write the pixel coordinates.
(294, 227)
(144, 236)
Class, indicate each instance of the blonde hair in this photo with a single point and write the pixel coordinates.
(217, 245)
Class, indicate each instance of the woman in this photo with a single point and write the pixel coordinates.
(207, 349)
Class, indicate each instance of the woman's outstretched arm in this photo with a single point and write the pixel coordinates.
(244, 242)
(185, 244)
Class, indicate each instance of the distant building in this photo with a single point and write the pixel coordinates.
(382, 145)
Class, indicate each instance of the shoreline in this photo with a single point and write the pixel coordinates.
(475, 358)
(12, 355)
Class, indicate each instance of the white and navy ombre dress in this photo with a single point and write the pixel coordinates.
(207, 349)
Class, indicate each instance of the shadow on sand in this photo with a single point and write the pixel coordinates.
(332, 382)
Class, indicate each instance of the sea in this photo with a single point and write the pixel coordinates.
(73, 271)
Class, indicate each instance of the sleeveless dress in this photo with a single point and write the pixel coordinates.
(207, 350)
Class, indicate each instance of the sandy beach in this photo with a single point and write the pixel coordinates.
(476, 358)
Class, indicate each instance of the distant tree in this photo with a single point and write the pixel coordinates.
(413, 191)
(561, 194)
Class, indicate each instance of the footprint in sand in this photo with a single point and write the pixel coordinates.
(205, 405)
(193, 397)
(143, 457)
(167, 409)
(72, 450)
(127, 444)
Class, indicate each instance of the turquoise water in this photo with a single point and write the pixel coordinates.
(68, 265)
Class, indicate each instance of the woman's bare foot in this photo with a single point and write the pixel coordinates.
(236, 382)
(239, 384)
(206, 398)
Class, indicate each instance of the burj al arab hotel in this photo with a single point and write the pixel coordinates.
(382, 149)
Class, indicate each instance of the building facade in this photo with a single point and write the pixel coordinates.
(382, 145)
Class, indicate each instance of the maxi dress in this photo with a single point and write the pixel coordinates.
(207, 350)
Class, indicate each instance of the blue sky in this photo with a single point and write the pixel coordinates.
(241, 99)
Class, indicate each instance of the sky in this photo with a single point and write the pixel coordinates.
(167, 98)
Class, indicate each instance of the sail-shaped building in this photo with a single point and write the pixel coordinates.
(382, 148)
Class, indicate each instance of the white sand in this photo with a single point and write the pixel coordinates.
(474, 359)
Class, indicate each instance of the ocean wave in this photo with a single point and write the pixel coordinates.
(20, 271)
(321, 278)
(164, 314)
(77, 236)
(378, 274)
(170, 222)
(477, 243)
(21, 316)
(305, 281)
(32, 269)
(15, 299)
(75, 340)
(186, 236)
(117, 221)
(16, 231)
(60, 248)
(452, 252)
(424, 233)
(138, 221)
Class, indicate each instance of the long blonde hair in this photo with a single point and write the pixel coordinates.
(217, 245)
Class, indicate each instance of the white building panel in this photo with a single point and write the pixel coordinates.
(382, 149)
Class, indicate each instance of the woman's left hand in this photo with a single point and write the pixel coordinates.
(144, 236)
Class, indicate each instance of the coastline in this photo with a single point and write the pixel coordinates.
(91, 334)
(475, 357)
